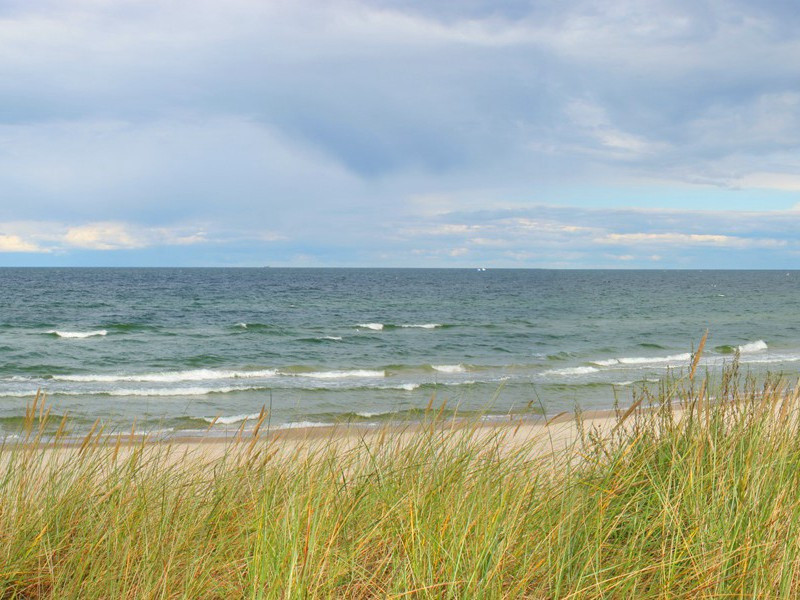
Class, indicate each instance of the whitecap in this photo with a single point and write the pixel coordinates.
(341, 374)
(643, 360)
(137, 392)
(408, 387)
(335, 338)
(449, 368)
(192, 391)
(421, 326)
(758, 346)
(369, 415)
(373, 326)
(168, 376)
(242, 325)
(606, 363)
(232, 419)
(773, 359)
(78, 334)
(572, 371)
(30, 393)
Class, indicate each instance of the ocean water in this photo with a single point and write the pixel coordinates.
(174, 349)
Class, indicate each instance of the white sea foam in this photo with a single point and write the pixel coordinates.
(331, 337)
(606, 363)
(449, 368)
(30, 393)
(786, 358)
(341, 374)
(169, 376)
(137, 392)
(572, 371)
(373, 326)
(242, 325)
(643, 360)
(78, 334)
(303, 425)
(232, 419)
(369, 415)
(421, 326)
(189, 391)
(408, 387)
(758, 346)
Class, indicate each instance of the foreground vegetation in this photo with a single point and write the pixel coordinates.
(698, 502)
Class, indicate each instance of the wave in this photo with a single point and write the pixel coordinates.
(744, 348)
(643, 360)
(77, 334)
(449, 368)
(572, 371)
(169, 376)
(251, 326)
(753, 347)
(421, 326)
(408, 387)
(372, 326)
(189, 391)
(232, 419)
(193, 391)
(563, 355)
(340, 374)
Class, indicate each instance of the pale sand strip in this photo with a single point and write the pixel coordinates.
(540, 438)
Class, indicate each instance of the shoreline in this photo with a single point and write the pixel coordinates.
(542, 435)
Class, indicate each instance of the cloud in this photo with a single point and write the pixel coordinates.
(684, 239)
(549, 236)
(54, 237)
(14, 243)
(351, 131)
(103, 236)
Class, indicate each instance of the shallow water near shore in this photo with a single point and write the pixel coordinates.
(174, 349)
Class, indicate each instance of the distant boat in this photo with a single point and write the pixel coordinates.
(481, 269)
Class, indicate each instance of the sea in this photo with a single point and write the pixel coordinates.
(196, 351)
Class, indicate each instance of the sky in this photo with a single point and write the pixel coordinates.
(400, 133)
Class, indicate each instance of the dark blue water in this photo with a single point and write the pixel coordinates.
(175, 348)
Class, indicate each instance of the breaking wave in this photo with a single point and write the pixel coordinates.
(78, 334)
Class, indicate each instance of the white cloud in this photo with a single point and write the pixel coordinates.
(15, 243)
(788, 182)
(105, 236)
(50, 236)
(689, 239)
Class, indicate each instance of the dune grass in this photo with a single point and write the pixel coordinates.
(696, 500)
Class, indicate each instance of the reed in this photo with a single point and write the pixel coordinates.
(699, 499)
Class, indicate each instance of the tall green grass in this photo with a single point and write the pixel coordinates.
(688, 500)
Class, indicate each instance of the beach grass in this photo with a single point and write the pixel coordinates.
(694, 492)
